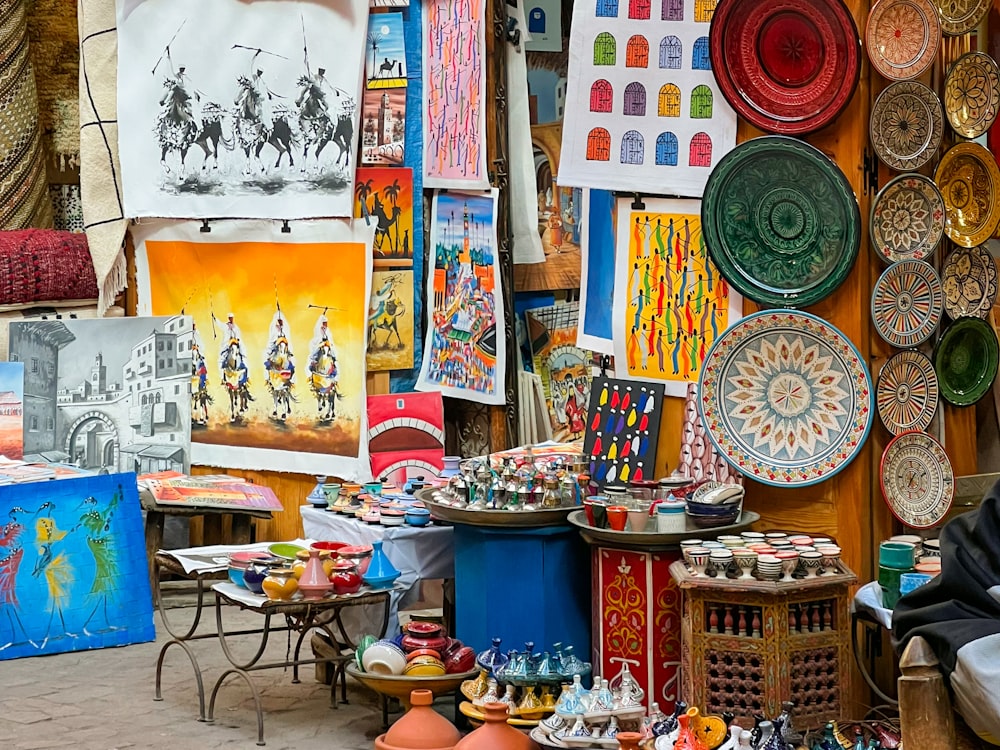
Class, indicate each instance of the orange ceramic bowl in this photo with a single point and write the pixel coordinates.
(424, 666)
(423, 652)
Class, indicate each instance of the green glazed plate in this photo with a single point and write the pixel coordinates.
(287, 550)
(966, 361)
(781, 221)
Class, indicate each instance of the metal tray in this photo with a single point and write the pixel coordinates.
(646, 540)
(497, 519)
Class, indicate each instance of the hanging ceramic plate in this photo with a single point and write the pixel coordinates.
(907, 392)
(969, 278)
(906, 303)
(907, 218)
(969, 181)
(786, 398)
(918, 483)
(907, 124)
(961, 16)
(902, 37)
(786, 66)
(972, 94)
(781, 221)
(965, 360)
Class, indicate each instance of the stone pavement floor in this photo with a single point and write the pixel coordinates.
(103, 699)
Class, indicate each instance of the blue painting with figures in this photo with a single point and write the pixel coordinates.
(73, 572)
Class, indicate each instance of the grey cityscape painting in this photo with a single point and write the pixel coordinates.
(111, 394)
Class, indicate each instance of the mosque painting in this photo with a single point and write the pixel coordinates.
(108, 394)
(73, 572)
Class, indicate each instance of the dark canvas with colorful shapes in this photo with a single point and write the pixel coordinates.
(73, 572)
(623, 425)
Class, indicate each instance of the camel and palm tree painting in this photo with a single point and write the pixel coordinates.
(73, 571)
(384, 197)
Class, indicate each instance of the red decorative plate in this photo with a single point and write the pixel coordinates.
(786, 66)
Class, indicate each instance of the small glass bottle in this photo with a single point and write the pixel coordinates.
(550, 494)
(568, 492)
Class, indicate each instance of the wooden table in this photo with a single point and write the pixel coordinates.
(156, 517)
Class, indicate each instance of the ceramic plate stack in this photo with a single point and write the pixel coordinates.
(917, 479)
(786, 66)
(907, 392)
(906, 303)
(902, 37)
(907, 219)
(781, 221)
(907, 125)
(786, 398)
(969, 181)
(965, 360)
(969, 279)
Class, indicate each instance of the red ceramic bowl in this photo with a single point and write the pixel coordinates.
(462, 660)
(423, 652)
(422, 629)
(412, 643)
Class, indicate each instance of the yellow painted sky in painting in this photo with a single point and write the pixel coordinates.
(241, 277)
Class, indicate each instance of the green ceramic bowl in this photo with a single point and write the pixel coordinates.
(896, 555)
(965, 360)
(359, 650)
(287, 550)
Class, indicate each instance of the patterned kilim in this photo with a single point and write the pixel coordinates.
(39, 265)
(100, 171)
(24, 190)
(55, 56)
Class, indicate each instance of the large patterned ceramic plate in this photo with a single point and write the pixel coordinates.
(961, 16)
(907, 218)
(907, 124)
(972, 94)
(918, 483)
(907, 392)
(969, 181)
(902, 37)
(786, 66)
(786, 398)
(781, 221)
(906, 303)
(965, 360)
(969, 278)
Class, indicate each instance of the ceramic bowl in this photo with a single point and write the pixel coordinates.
(898, 555)
(418, 516)
(243, 558)
(360, 555)
(424, 666)
(329, 546)
(285, 550)
(415, 643)
(363, 643)
(712, 521)
(393, 517)
(236, 575)
(424, 629)
(423, 652)
(461, 660)
(253, 577)
(695, 508)
(383, 657)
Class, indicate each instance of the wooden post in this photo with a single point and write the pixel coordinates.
(925, 711)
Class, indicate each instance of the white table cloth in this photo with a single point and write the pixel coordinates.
(419, 553)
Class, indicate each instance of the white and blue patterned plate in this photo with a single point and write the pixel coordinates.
(786, 398)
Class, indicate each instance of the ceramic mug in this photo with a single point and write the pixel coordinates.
(331, 491)
(637, 520)
(597, 512)
(617, 517)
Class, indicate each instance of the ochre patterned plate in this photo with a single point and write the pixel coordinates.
(918, 483)
(906, 303)
(907, 220)
(907, 392)
(786, 66)
(965, 360)
(972, 94)
(961, 16)
(969, 278)
(781, 221)
(902, 37)
(907, 124)
(786, 398)
(969, 181)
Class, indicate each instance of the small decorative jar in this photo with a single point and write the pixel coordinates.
(345, 578)
(280, 584)
(670, 517)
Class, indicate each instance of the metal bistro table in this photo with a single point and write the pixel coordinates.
(300, 616)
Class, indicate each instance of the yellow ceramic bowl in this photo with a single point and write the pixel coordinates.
(426, 666)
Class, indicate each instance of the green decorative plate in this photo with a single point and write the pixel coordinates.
(286, 550)
(781, 221)
(966, 361)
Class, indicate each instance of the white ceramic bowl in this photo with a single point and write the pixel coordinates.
(384, 658)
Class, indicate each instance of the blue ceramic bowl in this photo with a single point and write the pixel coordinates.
(694, 508)
(418, 516)
(236, 575)
(712, 521)
(253, 578)
(381, 582)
